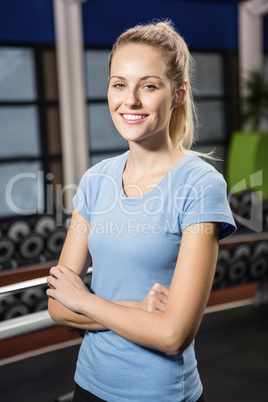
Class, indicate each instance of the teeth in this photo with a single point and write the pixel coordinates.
(134, 116)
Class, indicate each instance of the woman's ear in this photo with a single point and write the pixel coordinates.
(180, 95)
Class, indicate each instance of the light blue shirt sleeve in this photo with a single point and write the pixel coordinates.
(82, 200)
(207, 202)
(82, 197)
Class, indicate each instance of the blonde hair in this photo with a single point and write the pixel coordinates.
(163, 37)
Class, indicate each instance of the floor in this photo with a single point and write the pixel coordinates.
(232, 352)
(231, 348)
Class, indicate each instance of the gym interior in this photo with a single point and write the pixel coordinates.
(55, 124)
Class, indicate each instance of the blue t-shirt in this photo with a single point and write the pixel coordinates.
(134, 243)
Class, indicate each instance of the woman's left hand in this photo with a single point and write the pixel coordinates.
(66, 287)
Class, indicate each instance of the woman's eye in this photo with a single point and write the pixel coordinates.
(150, 86)
(119, 85)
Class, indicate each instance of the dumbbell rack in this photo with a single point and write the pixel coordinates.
(242, 259)
(31, 240)
(28, 248)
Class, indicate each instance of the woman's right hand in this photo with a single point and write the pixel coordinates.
(156, 299)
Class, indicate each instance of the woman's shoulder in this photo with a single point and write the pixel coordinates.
(197, 169)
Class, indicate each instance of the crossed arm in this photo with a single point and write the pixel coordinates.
(171, 325)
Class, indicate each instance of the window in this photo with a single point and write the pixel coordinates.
(30, 147)
(209, 92)
(19, 130)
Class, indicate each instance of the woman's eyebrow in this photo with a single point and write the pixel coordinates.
(147, 77)
(116, 76)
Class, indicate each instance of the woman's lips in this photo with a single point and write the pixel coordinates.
(133, 118)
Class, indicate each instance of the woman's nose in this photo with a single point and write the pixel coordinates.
(132, 99)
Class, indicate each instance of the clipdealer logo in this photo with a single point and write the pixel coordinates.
(160, 202)
(254, 221)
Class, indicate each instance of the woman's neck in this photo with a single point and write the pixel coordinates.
(153, 159)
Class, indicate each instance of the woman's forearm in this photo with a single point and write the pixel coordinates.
(63, 316)
(129, 321)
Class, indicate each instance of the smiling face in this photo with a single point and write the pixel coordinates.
(140, 94)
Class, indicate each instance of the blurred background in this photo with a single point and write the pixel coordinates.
(55, 123)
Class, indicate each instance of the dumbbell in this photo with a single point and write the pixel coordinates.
(7, 250)
(16, 309)
(32, 297)
(41, 304)
(247, 201)
(55, 241)
(258, 264)
(223, 262)
(239, 263)
(31, 246)
(17, 230)
(233, 200)
(45, 225)
(5, 302)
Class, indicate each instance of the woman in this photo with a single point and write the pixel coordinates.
(153, 215)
